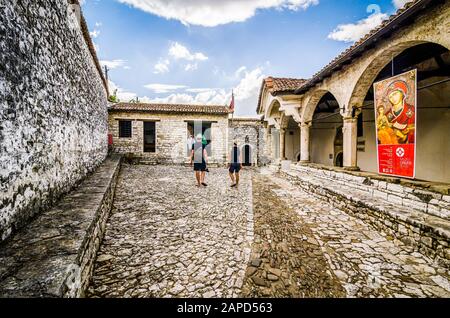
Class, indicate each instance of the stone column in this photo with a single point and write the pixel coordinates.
(273, 143)
(283, 144)
(350, 132)
(305, 130)
(267, 151)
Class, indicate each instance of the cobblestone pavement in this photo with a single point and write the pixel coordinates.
(168, 238)
(366, 262)
(286, 259)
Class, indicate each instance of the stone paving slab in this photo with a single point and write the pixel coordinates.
(367, 262)
(428, 234)
(286, 259)
(168, 238)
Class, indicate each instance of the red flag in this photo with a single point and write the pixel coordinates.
(232, 103)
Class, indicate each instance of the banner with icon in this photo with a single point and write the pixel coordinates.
(395, 121)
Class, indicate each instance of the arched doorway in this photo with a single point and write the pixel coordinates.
(247, 156)
(326, 131)
(339, 162)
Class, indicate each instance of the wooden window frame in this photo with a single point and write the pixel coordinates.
(121, 132)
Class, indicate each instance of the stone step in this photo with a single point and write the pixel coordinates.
(430, 234)
(429, 202)
(53, 256)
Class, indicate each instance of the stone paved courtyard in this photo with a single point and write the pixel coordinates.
(167, 238)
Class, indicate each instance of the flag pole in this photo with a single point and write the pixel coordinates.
(232, 101)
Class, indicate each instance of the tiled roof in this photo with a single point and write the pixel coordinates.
(283, 85)
(170, 108)
(279, 85)
(352, 51)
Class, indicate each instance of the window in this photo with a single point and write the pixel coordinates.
(360, 125)
(150, 137)
(125, 130)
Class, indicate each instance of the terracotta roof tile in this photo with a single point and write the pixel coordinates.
(279, 85)
(170, 108)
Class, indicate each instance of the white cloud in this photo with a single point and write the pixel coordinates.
(161, 67)
(98, 24)
(210, 97)
(114, 63)
(249, 86)
(239, 72)
(400, 3)
(122, 94)
(210, 13)
(199, 90)
(180, 52)
(163, 88)
(354, 32)
(246, 93)
(94, 34)
(191, 67)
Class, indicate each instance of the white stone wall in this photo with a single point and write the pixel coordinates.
(53, 111)
(292, 144)
(253, 134)
(219, 146)
(172, 134)
(323, 134)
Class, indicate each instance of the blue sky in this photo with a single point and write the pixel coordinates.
(197, 51)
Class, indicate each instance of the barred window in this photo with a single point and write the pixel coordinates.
(125, 130)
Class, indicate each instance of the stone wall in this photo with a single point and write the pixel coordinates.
(172, 134)
(250, 132)
(53, 112)
(414, 215)
(54, 255)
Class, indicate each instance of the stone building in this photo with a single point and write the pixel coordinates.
(281, 126)
(159, 133)
(333, 112)
(251, 136)
(332, 118)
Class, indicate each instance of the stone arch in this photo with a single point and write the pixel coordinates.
(298, 155)
(339, 159)
(274, 105)
(312, 103)
(371, 72)
(248, 155)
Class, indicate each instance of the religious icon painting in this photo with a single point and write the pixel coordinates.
(395, 122)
